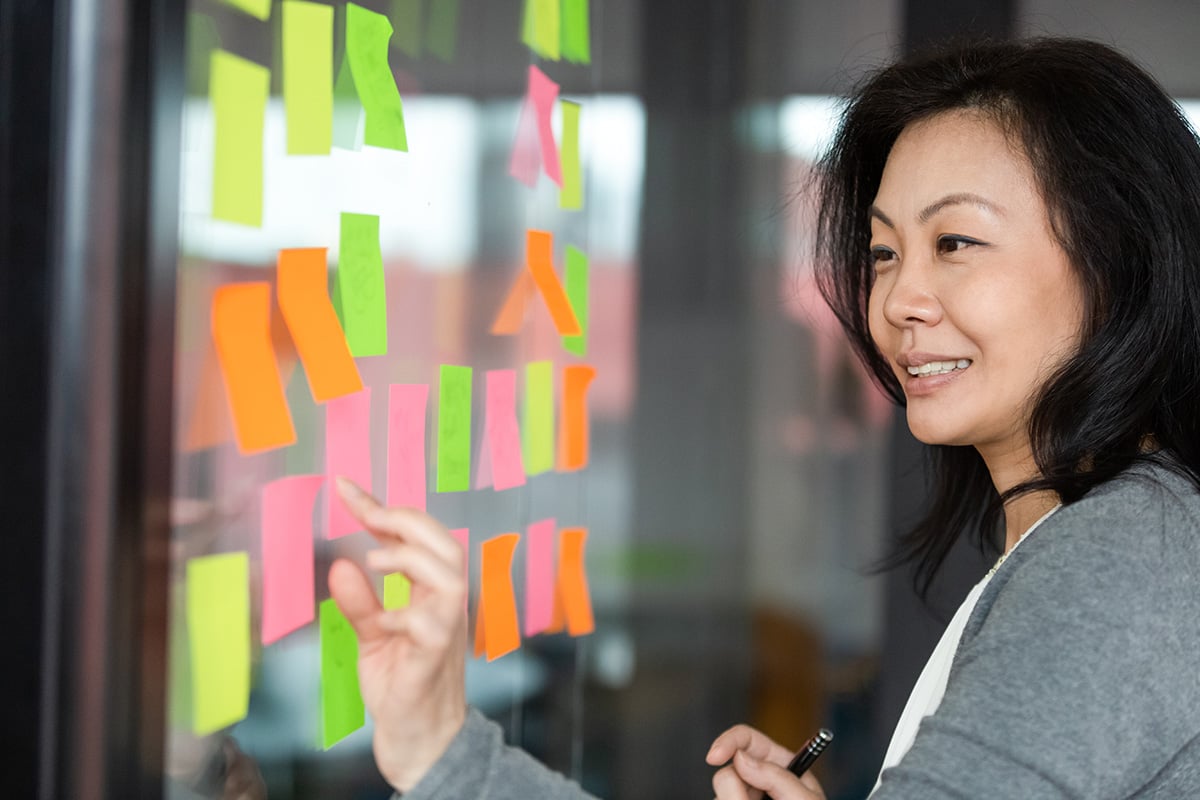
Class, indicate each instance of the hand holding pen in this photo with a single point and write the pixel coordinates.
(755, 766)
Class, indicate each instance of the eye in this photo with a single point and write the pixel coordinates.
(881, 256)
(954, 244)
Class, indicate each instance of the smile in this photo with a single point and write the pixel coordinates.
(939, 367)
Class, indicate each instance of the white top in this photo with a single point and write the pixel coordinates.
(931, 686)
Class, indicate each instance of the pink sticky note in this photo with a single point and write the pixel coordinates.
(539, 576)
(287, 554)
(544, 93)
(502, 452)
(407, 403)
(524, 162)
(348, 453)
(463, 536)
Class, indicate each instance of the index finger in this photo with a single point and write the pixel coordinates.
(405, 524)
(753, 742)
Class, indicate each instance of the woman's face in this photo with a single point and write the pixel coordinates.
(971, 292)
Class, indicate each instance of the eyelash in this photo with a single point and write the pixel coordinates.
(881, 253)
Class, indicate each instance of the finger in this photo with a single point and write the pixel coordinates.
(355, 597)
(421, 566)
(772, 779)
(408, 524)
(754, 742)
(729, 786)
(426, 630)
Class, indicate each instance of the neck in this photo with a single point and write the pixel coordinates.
(1009, 468)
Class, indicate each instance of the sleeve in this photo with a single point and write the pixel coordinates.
(478, 764)
(1080, 683)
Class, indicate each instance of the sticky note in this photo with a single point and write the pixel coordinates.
(570, 197)
(454, 429)
(577, 293)
(539, 576)
(537, 423)
(502, 453)
(302, 278)
(347, 453)
(367, 35)
(397, 591)
(511, 316)
(407, 404)
(238, 93)
(347, 110)
(208, 422)
(576, 32)
(287, 554)
(342, 711)
(573, 603)
(573, 445)
(241, 325)
(361, 285)
(442, 36)
(525, 160)
(218, 618)
(255, 8)
(308, 77)
(535, 122)
(541, 28)
(496, 631)
(539, 255)
(406, 26)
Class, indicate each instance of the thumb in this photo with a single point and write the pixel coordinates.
(775, 781)
(355, 598)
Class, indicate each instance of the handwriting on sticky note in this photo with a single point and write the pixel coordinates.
(397, 591)
(302, 278)
(238, 93)
(571, 195)
(540, 28)
(501, 432)
(342, 711)
(539, 576)
(537, 424)
(361, 285)
(573, 437)
(218, 620)
(308, 77)
(241, 325)
(576, 32)
(539, 256)
(454, 429)
(535, 121)
(287, 554)
(407, 405)
(573, 594)
(347, 453)
(496, 631)
(577, 294)
(367, 35)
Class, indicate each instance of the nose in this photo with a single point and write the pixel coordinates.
(910, 297)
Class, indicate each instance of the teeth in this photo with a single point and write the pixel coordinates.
(939, 367)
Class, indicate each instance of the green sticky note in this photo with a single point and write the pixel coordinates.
(537, 424)
(576, 32)
(308, 77)
(367, 35)
(406, 24)
(454, 429)
(361, 293)
(218, 620)
(238, 91)
(541, 28)
(442, 36)
(342, 710)
(397, 589)
(571, 195)
(255, 8)
(577, 293)
(346, 109)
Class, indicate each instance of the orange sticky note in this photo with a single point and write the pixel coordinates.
(539, 256)
(304, 300)
(208, 422)
(512, 313)
(573, 602)
(496, 632)
(573, 435)
(241, 324)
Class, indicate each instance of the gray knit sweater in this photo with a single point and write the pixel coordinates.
(1078, 674)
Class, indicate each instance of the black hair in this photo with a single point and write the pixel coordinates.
(1119, 171)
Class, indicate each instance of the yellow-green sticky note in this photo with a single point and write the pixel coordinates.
(218, 620)
(406, 25)
(397, 590)
(342, 711)
(238, 91)
(571, 195)
(255, 8)
(537, 424)
(577, 293)
(541, 28)
(454, 429)
(576, 32)
(361, 292)
(308, 77)
(442, 35)
(367, 35)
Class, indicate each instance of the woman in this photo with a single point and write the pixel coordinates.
(1011, 238)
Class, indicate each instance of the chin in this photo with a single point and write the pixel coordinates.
(930, 432)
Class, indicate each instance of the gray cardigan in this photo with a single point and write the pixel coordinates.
(1077, 676)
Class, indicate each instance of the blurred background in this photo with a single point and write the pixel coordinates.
(744, 476)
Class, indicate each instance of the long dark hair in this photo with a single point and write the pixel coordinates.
(1119, 171)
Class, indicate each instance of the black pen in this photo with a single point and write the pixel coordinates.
(809, 753)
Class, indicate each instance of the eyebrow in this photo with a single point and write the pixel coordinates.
(927, 213)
